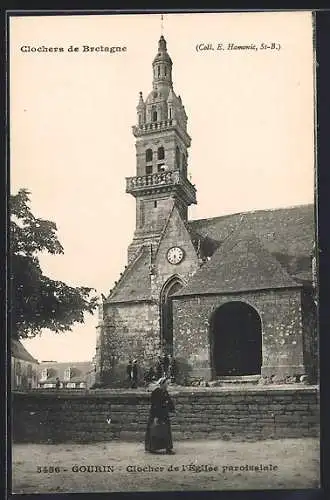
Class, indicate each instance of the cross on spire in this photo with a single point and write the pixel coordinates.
(162, 24)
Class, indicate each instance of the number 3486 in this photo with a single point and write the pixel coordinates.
(48, 470)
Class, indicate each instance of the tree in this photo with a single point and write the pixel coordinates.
(37, 301)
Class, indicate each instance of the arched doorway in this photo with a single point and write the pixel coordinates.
(236, 340)
(166, 313)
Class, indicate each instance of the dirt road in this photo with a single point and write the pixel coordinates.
(197, 465)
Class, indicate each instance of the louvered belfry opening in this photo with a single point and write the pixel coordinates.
(236, 340)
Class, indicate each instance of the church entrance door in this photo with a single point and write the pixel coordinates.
(166, 313)
(236, 340)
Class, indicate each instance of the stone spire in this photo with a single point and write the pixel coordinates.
(141, 109)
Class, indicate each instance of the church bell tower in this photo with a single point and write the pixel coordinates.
(162, 144)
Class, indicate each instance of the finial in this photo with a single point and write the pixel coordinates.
(141, 102)
(162, 25)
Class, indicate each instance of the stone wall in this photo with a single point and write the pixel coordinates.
(282, 332)
(309, 320)
(52, 417)
(130, 332)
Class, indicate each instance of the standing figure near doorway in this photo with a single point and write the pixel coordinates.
(134, 379)
(129, 372)
(166, 364)
(172, 370)
(159, 367)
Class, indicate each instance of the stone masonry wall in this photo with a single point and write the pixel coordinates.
(282, 337)
(50, 417)
(130, 332)
(309, 318)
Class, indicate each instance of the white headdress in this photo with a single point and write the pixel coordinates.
(161, 381)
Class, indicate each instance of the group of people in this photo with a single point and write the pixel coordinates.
(165, 366)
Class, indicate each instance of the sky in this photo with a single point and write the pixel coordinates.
(250, 117)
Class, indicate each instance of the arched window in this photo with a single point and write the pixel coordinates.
(177, 157)
(161, 153)
(140, 118)
(149, 154)
(172, 285)
(165, 71)
(158, 71)
(154, 116)
(170, 113)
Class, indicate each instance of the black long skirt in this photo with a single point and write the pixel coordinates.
(163, 442)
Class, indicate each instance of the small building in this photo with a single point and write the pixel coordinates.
(24, 368)
(71, 375)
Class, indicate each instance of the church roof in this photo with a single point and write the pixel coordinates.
(239, 264)
(135, 283)
(287, 233)
(246, 251)
(158, 95)
(254, 250)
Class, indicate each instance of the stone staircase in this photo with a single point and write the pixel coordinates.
(228, 381)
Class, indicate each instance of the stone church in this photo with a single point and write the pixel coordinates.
(229, 296)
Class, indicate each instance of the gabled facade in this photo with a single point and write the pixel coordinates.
(24, 368)
(226, 296)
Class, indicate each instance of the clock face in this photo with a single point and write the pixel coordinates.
(175, 255)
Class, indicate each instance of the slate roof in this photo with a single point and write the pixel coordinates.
(239, 265)
(254, 250)
(248, 251)
(18, 351)
(79, 370)
(135, 283)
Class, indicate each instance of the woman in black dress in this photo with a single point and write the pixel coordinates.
(159, 435)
